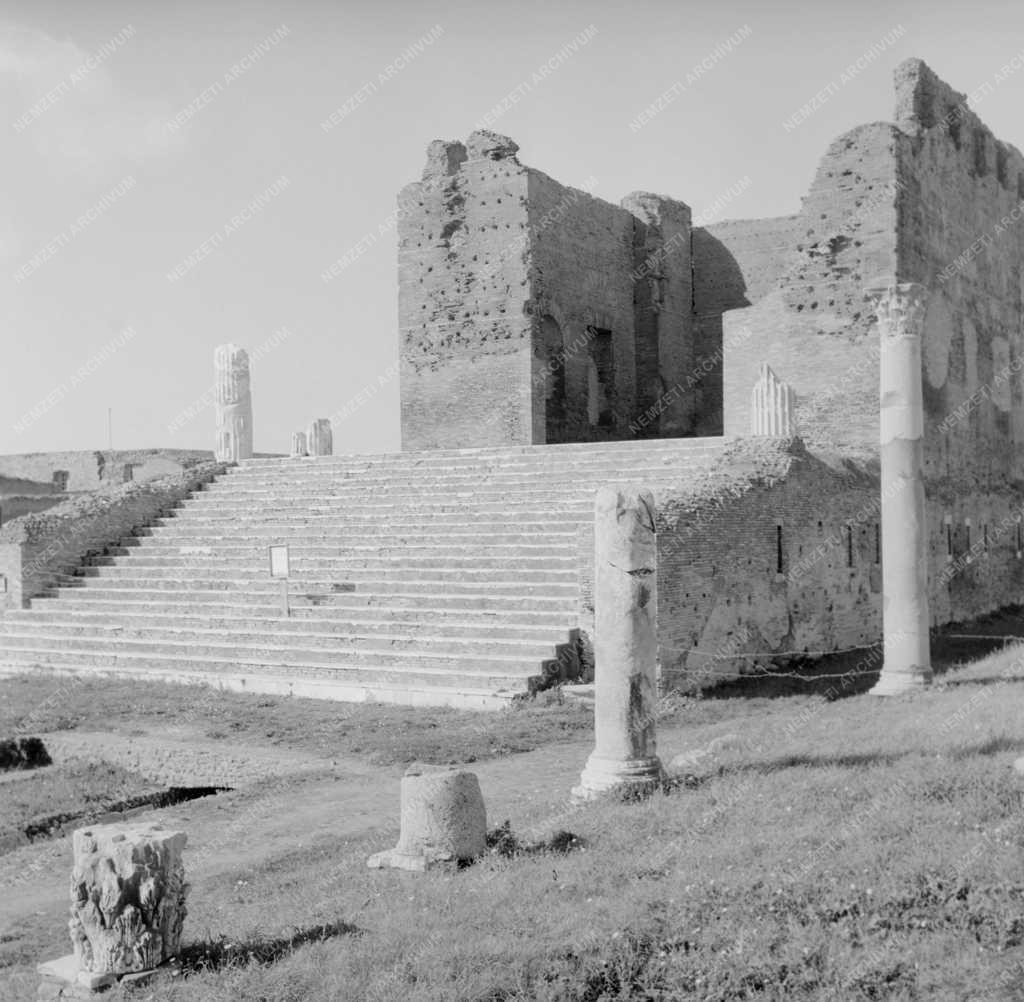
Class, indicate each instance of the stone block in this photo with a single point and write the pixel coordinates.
(444, 820)
(127, 897)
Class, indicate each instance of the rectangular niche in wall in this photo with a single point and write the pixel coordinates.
(601, 378)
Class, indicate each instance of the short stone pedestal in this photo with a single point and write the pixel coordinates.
(127, 908)
(625, 756)
(443, 820)
(320, 439)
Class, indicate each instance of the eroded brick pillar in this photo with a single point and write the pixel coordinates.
(907, 663)
(233, 404)
(625, 646)
(320, 438)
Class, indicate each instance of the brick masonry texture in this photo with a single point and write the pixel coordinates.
(933, 197)
(534, 313)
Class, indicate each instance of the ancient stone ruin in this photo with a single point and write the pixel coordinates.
(443, 820)
(552, 343)
(233, 404)
(320, 438)
(625, 647)
(128, 895)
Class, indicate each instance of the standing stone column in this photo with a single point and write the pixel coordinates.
(907, 661)
(298, 443)
(772, 406)
(234, 404)
(625, 646)
(320, 440)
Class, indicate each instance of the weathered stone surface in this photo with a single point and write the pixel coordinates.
(443, 820)
(233, 404)
(298, 443)
(625, 646)
(772, 406)
(486, 144)
(320, 438)
(127, 897)
(907, 665)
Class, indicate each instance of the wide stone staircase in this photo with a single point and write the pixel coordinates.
(428, 578)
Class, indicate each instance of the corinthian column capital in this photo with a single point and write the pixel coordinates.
(900, 307)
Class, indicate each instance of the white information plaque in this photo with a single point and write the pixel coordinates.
(279, 561)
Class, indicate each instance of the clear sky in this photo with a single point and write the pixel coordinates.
(137, 130)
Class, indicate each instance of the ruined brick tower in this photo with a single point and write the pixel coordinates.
(533, 313)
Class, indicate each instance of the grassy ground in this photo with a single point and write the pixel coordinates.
(819, 848)
(858, 850)
(384, 735)
(68, 789)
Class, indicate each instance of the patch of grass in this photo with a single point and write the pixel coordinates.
(859, 850)
(383, 735)
(66, 790)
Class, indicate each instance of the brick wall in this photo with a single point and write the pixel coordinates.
(810, 319)
(961, 234)
(36, 548)
(532, 312)
(463, 286)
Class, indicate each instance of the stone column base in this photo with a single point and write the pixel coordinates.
(603, 776)
(416, 862)
(62, 979)
(895, 683)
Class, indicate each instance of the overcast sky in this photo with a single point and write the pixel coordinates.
(268, 141)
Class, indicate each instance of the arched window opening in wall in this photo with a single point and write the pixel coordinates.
(778, 549)
(553, 354)
(601, 382)
(949, 537)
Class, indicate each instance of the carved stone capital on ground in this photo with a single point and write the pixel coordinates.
(127, 897)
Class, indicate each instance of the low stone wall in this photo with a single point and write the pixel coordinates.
(774, 549)
(36, 548)
(93, 470)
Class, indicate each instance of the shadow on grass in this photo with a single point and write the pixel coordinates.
(993, 746)
(214, 955)
(852, 673)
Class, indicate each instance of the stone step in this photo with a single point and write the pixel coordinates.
(442, 623)
(383, 508)
(290, 647)
(383, 573)
(338, 563)
(329, 517)
(669, 471)
(445, 458)
(563, 543)
(99, 592)
(352, 687)
(173, 528)
(381, 589)
(370, 671)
